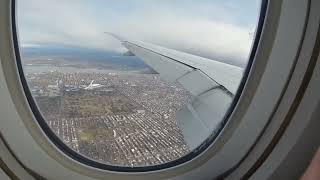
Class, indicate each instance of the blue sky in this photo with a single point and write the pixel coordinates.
(216, 29)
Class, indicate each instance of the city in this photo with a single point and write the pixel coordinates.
(118, 118)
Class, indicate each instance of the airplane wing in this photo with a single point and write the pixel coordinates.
(212, 83)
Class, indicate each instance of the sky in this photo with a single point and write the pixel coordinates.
(216, 29)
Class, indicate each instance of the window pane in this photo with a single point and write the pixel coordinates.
(135, 83)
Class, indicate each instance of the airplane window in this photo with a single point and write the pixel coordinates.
(134, 83)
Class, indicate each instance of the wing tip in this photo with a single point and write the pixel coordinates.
(115, 36)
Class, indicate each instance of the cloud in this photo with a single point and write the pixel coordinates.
(207, 28)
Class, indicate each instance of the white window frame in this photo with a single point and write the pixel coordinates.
(283, 35)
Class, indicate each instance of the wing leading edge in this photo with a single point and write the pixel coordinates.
(212, 83)
(174, 65)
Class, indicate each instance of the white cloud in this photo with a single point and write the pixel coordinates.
(190, 29)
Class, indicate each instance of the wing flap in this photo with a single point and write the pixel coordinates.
(196, 82)
(203, 116)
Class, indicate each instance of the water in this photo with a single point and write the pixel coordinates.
(42, 59)
(30, 69)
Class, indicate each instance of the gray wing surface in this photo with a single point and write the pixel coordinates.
(212, 83)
